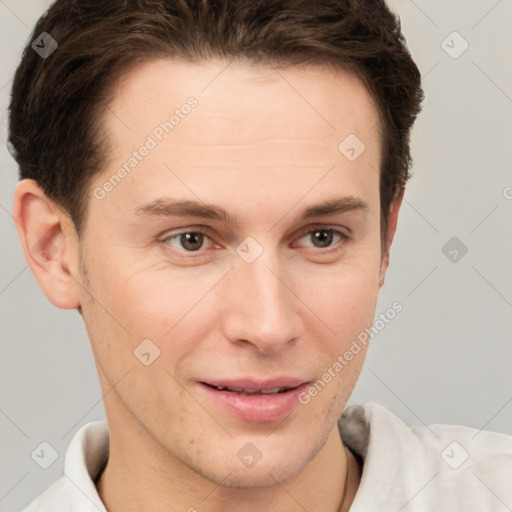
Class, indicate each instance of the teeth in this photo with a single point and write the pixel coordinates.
(271, 391)
(262, 391)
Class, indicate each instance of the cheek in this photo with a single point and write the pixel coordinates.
(131, 316)
(343, 300)
(164, 302)
(173, 308)
(145, 292)
(344, 296)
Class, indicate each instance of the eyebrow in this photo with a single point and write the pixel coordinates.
(187, 208)
(340, 205)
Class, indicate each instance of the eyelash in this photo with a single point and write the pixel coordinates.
(307, 231)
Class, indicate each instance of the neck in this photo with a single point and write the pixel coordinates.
(328, 483)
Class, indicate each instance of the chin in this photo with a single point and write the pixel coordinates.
(276, 467)
(259, 481)
(268, 475)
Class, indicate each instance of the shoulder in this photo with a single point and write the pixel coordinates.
(441, 467)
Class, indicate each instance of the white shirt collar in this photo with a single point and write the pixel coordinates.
(85, 459)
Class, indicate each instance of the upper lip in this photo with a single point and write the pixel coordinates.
(249, 384)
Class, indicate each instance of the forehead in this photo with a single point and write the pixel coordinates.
(250, 125)
(327, 103)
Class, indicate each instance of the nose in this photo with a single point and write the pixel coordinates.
(261, 309)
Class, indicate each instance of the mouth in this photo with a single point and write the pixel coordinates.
(249, 391)
(255, 401)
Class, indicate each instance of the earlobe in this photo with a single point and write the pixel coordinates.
(390, 233)
(49, 243)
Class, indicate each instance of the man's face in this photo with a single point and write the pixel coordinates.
(262, 299)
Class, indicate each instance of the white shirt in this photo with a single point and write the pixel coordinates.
(441, 468)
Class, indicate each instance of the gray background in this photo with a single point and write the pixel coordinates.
(446, 358)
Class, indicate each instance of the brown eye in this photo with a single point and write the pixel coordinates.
(192, 241)
(322, 237)
(188, 241)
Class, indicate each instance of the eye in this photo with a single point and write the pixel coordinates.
(189, 241)
(323, 237)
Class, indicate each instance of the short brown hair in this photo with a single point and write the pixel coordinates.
(57, 102)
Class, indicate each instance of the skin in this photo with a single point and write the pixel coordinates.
(256, 148)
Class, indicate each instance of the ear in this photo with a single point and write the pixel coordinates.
(50, 243)
(390, 233)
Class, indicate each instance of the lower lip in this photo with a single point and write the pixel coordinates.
(257, 408)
